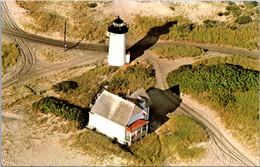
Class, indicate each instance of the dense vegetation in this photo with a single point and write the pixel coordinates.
(176, 139)
(10, 55)
(243, 20)
(224, 86)
(243, 61)
(173, 52)
(62, 108)
(65, 86)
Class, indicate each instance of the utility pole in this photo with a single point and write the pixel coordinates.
(64, 42)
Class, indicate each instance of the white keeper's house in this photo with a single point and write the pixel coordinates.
(124, 119)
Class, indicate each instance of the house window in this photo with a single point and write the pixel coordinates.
(144, 127)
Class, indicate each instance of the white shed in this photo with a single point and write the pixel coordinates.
(124, 119)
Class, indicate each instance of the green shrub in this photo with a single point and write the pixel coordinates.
(251, 4)
(65, 86)
(92, 5)
(243, 20)
(62, 108)
(220, 14)
(209, 23)
(185, 28)
(10, 55)
(226, 13)
(173, 52)
(235, 10)
(231, 3)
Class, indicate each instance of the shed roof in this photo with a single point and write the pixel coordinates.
(115, 108)
(140, 93)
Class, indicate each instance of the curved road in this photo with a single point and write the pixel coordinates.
(30, 66)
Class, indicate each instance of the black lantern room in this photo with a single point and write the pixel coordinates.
(118, 27)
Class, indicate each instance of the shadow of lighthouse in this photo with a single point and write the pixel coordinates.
(149, 40)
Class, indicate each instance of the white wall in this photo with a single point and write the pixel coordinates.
(117, 49)
(107, 127)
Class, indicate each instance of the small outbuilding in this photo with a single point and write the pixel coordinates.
(125, 119)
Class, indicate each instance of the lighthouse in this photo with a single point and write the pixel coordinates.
(117, 43)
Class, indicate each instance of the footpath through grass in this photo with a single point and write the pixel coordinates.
(231, 90)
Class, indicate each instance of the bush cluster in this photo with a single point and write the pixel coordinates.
(10, 55)
(65, 86)
(219, 82)
(230, 89)
(243, 20)
(62, 108)
(173, 52)
(235, 10)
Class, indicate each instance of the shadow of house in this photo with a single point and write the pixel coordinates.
(149, 40)
(164, 102)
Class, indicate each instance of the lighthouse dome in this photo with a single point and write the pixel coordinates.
(118, 27)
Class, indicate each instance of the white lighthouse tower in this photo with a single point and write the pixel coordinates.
(117, 43)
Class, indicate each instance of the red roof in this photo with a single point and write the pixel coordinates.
(137, 124)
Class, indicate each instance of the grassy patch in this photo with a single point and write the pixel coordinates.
(222, 86)
(117, 80)
(218, 33)
(42, 17)
(245, 62)
(173, 52)
(89, 84)
(153, 149)
(133, 77)
(10, 55)
(177, 138)
(78, 19)
(180, 135)
(98, 145)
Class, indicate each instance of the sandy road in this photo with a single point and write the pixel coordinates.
(30, 64)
